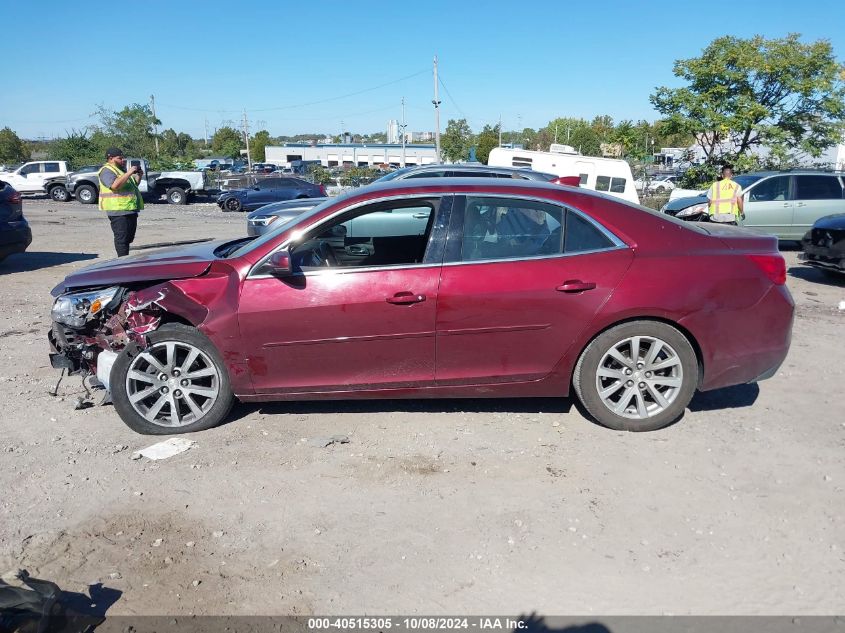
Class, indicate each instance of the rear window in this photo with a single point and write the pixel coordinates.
(818, 188)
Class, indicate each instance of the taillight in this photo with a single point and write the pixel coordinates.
(323, 190)
(774, 267)
(15, 198)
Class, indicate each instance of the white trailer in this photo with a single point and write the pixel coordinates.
(609, 175)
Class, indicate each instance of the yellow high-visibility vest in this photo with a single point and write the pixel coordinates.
(127, 199)
(723, 199)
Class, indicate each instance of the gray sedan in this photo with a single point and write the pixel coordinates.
(271, 215)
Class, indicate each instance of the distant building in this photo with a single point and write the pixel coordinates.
(351, 154)
(393, 131)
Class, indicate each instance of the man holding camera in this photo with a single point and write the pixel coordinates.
(120, 198)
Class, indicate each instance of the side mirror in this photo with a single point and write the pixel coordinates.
(280, 264)
(256, 188)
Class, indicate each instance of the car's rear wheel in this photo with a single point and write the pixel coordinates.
(637, 376)
(232, 204)
(59, 193)
(176, 195)
(178, 384)
(86, 194)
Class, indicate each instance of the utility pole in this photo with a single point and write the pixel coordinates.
(500, 130)
(555, 132)
(436, 102)
(155, 126)
(206, 132)
(246, 136)
(402, 127)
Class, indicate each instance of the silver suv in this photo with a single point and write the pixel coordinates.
(784, 203)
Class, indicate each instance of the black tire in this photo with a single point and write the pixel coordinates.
(59, 193)
(585, 378)
(86, 194)
(176, 195)
(179, 333)
(232, 204)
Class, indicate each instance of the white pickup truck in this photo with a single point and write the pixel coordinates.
(30, 177)
(176, 186)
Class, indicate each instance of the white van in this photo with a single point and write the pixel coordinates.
(609, 175)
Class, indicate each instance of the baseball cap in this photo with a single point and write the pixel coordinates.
(113, 151)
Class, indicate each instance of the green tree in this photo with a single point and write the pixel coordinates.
(744, 93)
(12, 148)
(486, 140)
(226, 142)
(131, 129)
(176, 144)
(456, 140)
(257, 144)
(78, 149)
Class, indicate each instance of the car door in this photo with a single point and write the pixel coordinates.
(768, 206)
(816, 195)
(364, 322)
(264, 192)
(521, 279)
(30, 179)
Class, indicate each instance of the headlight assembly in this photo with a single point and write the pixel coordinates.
(695, 209)
(75, 309)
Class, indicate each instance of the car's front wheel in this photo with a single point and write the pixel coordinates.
(178, 384)
(637, 376)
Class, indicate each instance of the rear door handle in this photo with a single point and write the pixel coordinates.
(801, 204)
(421, 216)
(405, 298)
(575, 285)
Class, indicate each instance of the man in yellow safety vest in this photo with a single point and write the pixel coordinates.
(725, 199)
(120, 198)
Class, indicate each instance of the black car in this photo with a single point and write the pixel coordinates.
(15, 234)
(269, 190)
(824, 245)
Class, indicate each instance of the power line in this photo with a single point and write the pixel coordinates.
(304, 104)
(452, 99)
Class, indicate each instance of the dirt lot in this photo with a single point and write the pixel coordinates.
(445, 507)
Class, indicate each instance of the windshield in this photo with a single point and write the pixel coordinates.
(267, 237)
(394, 174)
(746, 181)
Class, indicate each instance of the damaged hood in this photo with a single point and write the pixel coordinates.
(177, 262)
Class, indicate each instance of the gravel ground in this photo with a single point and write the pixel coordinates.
(471, 506)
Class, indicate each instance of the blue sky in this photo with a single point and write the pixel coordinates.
(291, 64)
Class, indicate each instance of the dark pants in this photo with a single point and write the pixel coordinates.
(123, 227)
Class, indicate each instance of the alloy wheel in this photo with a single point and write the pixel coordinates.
(639, 377)
(172, 384)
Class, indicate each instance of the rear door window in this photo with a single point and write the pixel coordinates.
(818, 188)
(51, 168)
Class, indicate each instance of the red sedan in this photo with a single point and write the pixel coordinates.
(434, 288)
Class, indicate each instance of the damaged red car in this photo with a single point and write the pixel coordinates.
(431, 289)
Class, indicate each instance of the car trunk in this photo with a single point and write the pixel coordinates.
(740, 239)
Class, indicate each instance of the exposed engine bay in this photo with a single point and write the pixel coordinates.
(88, 323)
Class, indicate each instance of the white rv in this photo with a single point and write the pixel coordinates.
(609, 175)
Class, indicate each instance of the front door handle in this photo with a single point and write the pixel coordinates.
(405, 298)
(575, 285)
